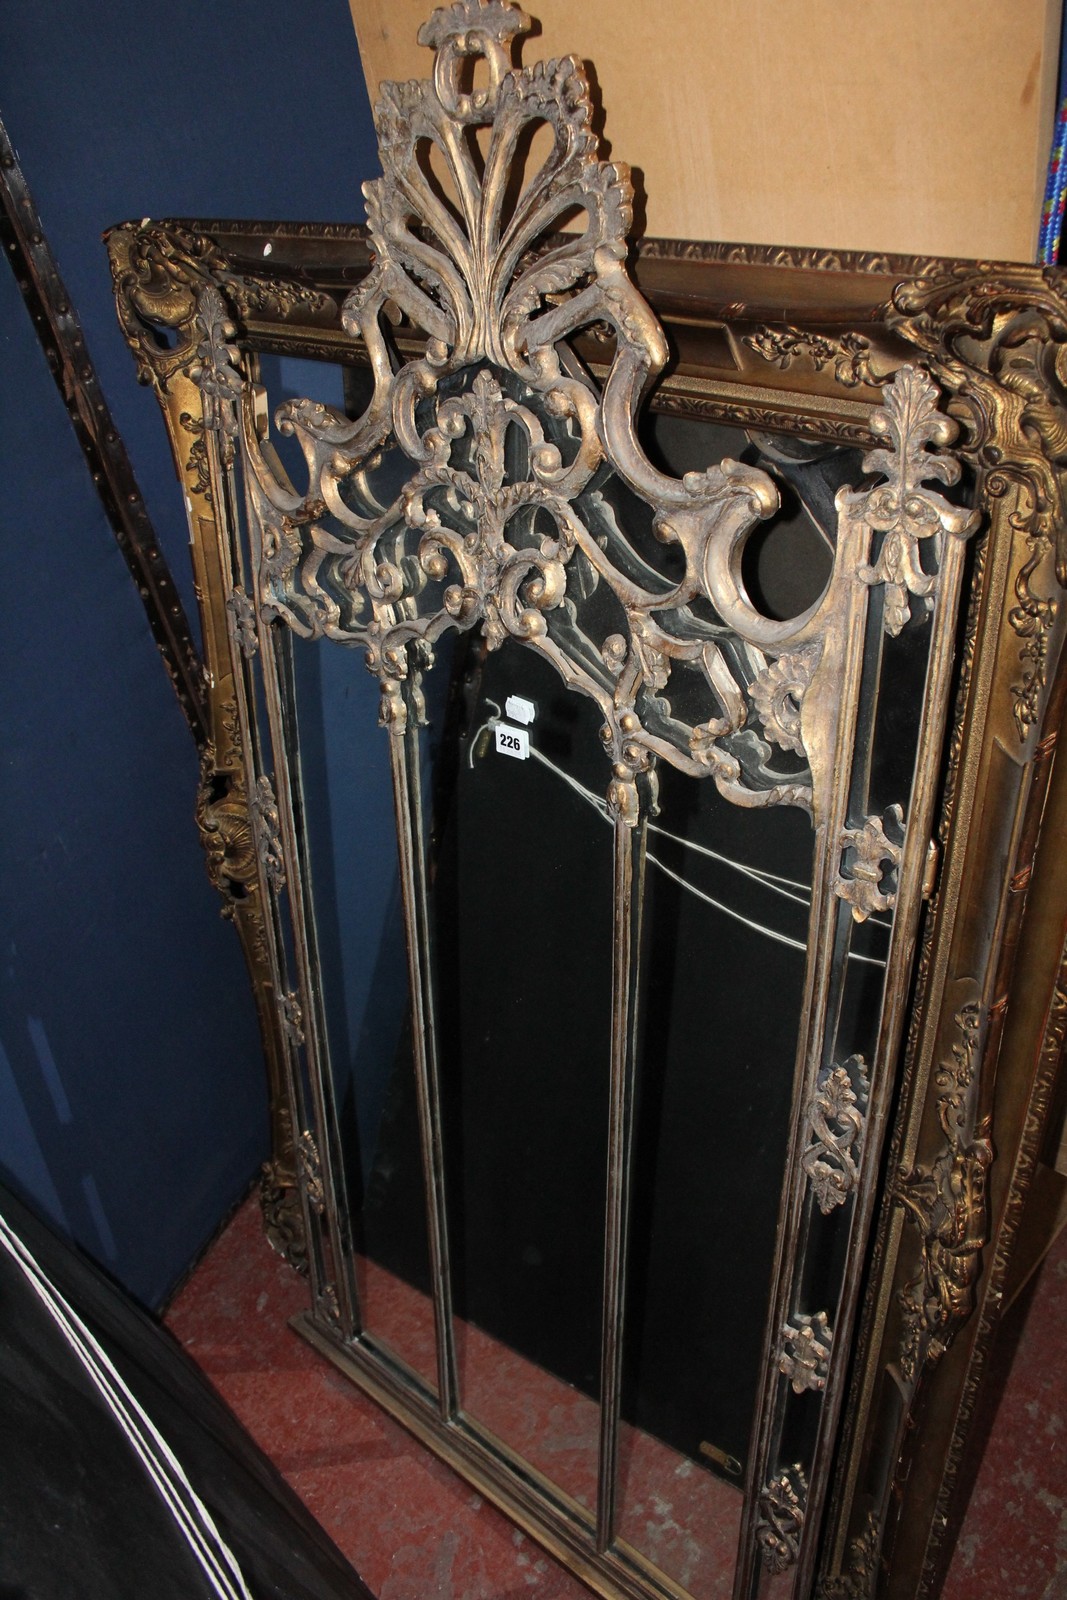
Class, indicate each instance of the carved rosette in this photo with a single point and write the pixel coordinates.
(836, 1119)
(782, 1503)
(778, 692)
(947, 1202)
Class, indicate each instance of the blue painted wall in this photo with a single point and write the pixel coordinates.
(132, 1097)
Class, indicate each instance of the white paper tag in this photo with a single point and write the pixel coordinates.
(520, 710)
(512, 741)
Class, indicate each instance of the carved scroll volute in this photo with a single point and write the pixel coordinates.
(996, 337)
(498, 303)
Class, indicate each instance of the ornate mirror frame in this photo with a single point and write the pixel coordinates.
(476, 320)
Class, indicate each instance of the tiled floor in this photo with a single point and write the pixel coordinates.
(415, 1531)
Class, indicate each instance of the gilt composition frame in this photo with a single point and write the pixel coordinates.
(931, 367)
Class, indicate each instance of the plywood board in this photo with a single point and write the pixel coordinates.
(917, 126)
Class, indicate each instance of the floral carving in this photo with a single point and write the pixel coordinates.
(278, 297)
(947, 1201)
(997, 338)
(197, 461)
(850, 353)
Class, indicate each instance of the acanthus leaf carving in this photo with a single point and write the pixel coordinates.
(903, 510)
(849, 353)
(504, 520)
(858, 1582)
(226, 831)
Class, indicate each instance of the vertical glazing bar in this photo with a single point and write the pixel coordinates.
(279, 696)
(628, 897)
(400, 714)
(847, 652)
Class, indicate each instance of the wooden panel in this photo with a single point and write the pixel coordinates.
(851, 126)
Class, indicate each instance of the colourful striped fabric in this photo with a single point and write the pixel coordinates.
(1048, 243)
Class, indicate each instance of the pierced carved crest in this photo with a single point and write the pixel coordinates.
(522, 473)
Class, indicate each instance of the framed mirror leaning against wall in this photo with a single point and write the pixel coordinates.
(587, 977)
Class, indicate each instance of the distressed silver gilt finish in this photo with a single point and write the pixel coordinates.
(504, 524)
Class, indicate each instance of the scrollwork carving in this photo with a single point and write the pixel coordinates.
(782, 1503)
(503, 523)
(159, 272)
(947, 1202)
(902, 510)
(997, 338)
(849, 353)
(836, 1118)
(858, 1582)
(226, 831)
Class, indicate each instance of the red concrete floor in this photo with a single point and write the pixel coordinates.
(415, 1531)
